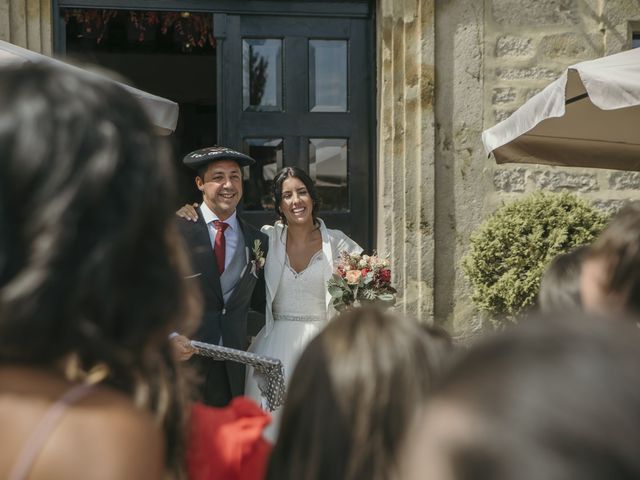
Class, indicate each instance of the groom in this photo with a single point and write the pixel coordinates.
(225, 268)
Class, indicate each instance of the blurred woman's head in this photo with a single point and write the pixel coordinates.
(296, 198)
(353, 396)
(560, 283)
(551, 399)
(610, 279)
(90, 264)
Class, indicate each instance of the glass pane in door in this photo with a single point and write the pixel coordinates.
(258, 178)
(328, 167)
(262, 74)
(328, 75)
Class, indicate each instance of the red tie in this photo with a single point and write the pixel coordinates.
(219, 244)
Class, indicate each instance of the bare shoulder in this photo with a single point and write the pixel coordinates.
(103, 437)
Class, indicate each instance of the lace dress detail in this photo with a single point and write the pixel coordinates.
(299, 312)
(300, 296)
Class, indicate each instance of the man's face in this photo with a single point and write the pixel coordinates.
(221, 187)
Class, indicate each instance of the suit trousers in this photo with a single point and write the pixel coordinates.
(215, 389)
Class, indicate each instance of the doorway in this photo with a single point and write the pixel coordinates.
(170, 54)
(289, 83)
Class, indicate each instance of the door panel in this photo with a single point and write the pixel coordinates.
(271, 99)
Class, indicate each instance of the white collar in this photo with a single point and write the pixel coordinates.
(208, 216)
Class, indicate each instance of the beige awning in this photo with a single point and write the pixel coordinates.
(589, 117)
(162, 112)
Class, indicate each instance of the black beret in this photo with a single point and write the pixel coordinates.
(207, 155)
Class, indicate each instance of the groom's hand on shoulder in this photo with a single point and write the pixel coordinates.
(188, 212)
(182, 348)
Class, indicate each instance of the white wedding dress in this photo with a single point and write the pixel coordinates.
(299, 313)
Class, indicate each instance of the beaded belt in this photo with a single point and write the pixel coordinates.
(299, 318)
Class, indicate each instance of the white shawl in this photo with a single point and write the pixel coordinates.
(333, 242)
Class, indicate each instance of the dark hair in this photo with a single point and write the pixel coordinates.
(91, 265)
(548, 399)
(619, 246)
(560, 282)
(353, 396)
(202, 170)
(295, 172)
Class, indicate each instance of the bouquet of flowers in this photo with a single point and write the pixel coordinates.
(361, 279)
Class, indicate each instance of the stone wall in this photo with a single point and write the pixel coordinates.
(491, 57)
(406, 136)
(463, 178)
(27, 23)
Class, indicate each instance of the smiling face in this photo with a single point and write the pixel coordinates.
(221, 187)
(296, 204)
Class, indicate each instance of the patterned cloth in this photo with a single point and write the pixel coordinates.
(269, 370)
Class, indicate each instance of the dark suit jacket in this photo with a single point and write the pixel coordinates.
(229, 321)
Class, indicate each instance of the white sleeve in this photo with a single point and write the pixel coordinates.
(345, 243)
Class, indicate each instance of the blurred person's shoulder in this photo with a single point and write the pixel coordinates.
(102, 436)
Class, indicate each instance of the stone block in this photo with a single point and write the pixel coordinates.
(510, 180)
(562, 181)
(502, 114)
(512, 46)
(625, 181)
(569, 45)
(526, 73)
(609, 206)
(503, 95)
(535, 13)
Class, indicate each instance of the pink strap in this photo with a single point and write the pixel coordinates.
(39, 436)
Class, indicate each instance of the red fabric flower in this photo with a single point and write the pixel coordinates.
(227, 443)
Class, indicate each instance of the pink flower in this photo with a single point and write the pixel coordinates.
(353, 276)
(364, 272)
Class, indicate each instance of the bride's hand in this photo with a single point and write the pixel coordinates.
(188, 212)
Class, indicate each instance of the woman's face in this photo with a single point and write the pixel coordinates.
(296, 204)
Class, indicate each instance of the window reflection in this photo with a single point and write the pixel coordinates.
(262, 74)
(328, 75)
(258, 178)
(328, 167)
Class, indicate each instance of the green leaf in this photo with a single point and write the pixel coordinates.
(335, 291)
(368, 294)
(386, 297)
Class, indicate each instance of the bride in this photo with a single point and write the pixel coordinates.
(300, 261)
(302, 251)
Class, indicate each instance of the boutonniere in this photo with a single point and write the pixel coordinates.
(258, 260)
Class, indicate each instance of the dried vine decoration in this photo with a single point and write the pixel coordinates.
(95, 23)
(141, 21)
(189, 30)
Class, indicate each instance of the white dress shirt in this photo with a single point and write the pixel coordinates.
(230, 234)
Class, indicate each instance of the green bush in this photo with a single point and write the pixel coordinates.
(510, 250)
